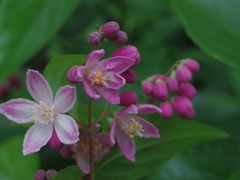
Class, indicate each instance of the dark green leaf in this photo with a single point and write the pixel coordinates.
(176, 134)
(214, 26)
(235, 176)
(69, 173)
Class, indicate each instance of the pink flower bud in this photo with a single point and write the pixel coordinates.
(66, 151)
(183, 74)
(158, 76)
(192, 65)
(173, 84)
(3, 90)
(147, 87)
(50, 174)
(110, 29)
(15, 81)
(127, 98)
(95, 38)
(160, 90)
(187, 90)
(130, 76)
(183, 106)
(40, 175)
(130, 52)
(167, 109)
(72, 75)
(54, 142)
(120, 38)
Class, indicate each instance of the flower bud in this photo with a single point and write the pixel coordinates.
(159, 76)
(50, 174)
(130, 52)
(147, 87)
(110, 29)
(130, 76)
(192, 65)
(54, 142)
(187, 90)
(160, 90)
(95, 38)
(15, 81)
(72, 75)
(3, 90)
(120, 38)
(183, 74)
(127, 98)
(66, 152)
(183, 106)
(167, 109)
(173, 84)
(40, 175)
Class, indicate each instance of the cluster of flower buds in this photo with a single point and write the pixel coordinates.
(157, 88)
(43, 175)
(110, 31)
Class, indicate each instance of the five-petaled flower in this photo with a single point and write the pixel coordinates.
(101, 78)
(126, 126)
(45, 114)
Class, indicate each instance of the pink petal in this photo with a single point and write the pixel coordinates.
(38, 87)
(66, 129)
(94, 57)
(147, 109)
(125, 143)
(115, 81)
(109, 94)
(82, 159)
(17, 110)
(116, 64)
(36, 137)
(112, 132)
(90, 90)
(149, 129)
(132, 109)
(65, 98)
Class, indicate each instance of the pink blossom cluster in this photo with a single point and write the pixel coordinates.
(160, 87)
(109, 31)
(43, 175)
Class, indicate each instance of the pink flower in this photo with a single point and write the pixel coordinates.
(125, 127)
(103, 77)
(102, 146)
(45, 114)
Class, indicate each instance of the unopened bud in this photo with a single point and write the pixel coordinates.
(160, 90)
(120, 38)
(127, 98)
(94, 39)
(187, 90)
(15, 81)
(183, 106)
(130, 76)
(167, 109)
(54, 142)
(110, 29)
(50, 174)
(147, 87)
(173, 84)
(72, 75)
(192, 65)
(40, 175)
(130, 52)
(66, 152)
(183, 74)
(3, 90)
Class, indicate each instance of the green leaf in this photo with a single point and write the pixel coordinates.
(235, 79)
(13, 165)
(26, 26)
(214, 26)
(69, 173)
(176, 134)
(235, 176)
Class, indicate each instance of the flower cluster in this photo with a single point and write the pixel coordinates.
(157, 87)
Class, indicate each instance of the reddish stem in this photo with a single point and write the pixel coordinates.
(91, 140)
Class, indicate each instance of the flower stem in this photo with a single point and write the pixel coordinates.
(102, 115)
(171, 68)
(78, 122)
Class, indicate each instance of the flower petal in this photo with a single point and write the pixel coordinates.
(65, 98)
(109, 94)
(114, 81)
(116, 64)
(112, 131)
(147, 109)
(17, 110)
(132, 109)
(149, 129)
(125, 143)
(36, 137)
(90, 90)
(66, 129)
(94, 57)
(38, 87)
(82, 159)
